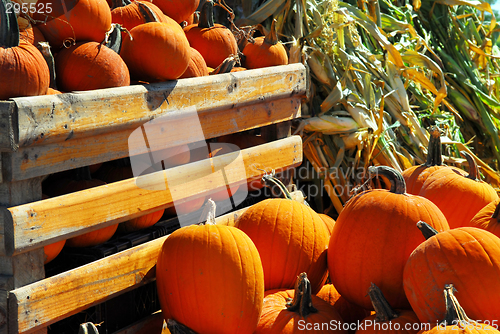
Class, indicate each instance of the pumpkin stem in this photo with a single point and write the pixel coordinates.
(383, 310)
(208, 214)
(302, 299)
(207, 15)
(454, 312)
(9, 29)
(426, 229)
(147, 13)
(272, 36)
(434, 157)
(398, 185)
(270, 180)
(113, 39)
(227, 65)
(177, 328)
(44, 48)
(473, 170)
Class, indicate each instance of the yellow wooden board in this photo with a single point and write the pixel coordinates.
(36, 224)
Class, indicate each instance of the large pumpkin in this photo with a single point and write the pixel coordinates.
(210, 279)
(23, 71)
(373, 237)
(386, 319)
(89, 66)
(265, 51)
(178, 10)
(456, 320)
(157, 51)
(214, 41)
(294, 311)
(131, 14)
(458, 195)
(415, 176)
(468, 258)
(291, 239)
(73, 20)
(488, 218)
(197, 66)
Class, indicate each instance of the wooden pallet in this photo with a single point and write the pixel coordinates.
(48, 134)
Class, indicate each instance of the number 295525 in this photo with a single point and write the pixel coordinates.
(25, 8)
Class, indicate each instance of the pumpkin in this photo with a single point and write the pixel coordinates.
(89, 66)
(265, 51)
(458, 195)
(457, 321)
(73, 21)
(373, 237)
(291, 239)
(296, 311)
(349, 312)
(178, 10)
(197, 66)
(157, 52)
(214, 41)
(329, 222)
(488, 218)
(468, 258)
(218, 262)
(23, 71)
(415, 176)
(131, 14)
(29, 33)
(387, 319)
(81, 182)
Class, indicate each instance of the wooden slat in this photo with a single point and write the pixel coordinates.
(52, 299)
(51, 158)
(8, 133)
(40, 223)
(57, 118)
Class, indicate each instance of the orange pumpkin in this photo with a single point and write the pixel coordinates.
(488, 218)
(52, 250)
(291, 239)
(214, 41)
(329, 222)
(222, 264)
(197, 66)
(468, 258)
(297, 311)
(265, 51)
(178, 10)
(458, 195)
(415, 176)
(29, 33)
(373, 237)
(131, 14)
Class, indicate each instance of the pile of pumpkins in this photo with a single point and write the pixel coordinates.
(425, 251)
(60, 46)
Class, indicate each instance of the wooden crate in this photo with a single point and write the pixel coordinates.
(48, 134)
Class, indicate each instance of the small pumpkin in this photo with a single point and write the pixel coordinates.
(373, 237)
(291, 239)
(214, 41)
(488, 218)
(349, 312)
(218, 262)
(387, 319)
(455, 256)
(415, 176)
(73, 21)
(23, 71)
(157, 52)
(329, 222)
(456, 320)
(294, 311)
(197, 66)
(265, 51)
(457, 194)
(29, 33)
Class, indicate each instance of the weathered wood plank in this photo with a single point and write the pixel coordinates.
(40, 223)
(52, 299)
(57, 118)
(181, 128)
(8, 126)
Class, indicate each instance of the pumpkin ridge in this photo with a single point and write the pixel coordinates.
(255, 267)
(297, 263)
(233, 239)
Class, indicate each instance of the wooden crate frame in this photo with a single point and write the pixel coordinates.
(48, 134)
